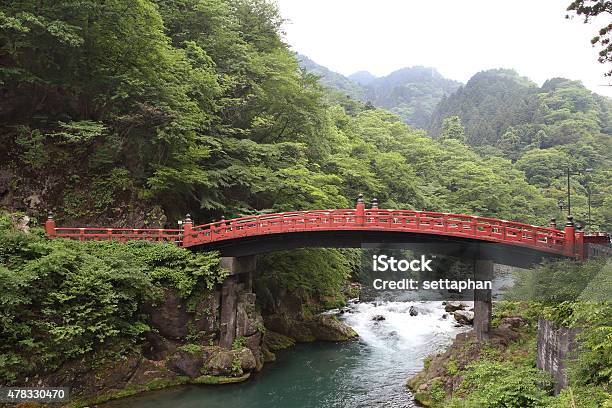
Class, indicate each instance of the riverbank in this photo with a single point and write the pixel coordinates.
(500, 373)
(367, 372)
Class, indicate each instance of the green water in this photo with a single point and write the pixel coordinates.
(370, 372)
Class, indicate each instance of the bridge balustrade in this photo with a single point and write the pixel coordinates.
(568, 242)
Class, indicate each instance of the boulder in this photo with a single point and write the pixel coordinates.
(273, 341)
(512, 322)
(453, 306)
(378, 318)
(328, 328)
(464, 317)
(413, 311)
(184, 363)
(224, 362)
(298, 330)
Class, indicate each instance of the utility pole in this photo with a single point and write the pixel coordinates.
(569, 194)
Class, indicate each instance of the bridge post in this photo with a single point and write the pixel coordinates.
(239, 268)
(579, 244)
(483, 270)
(570, 239)
(187, 226)
(50, 225)
(553, 223)
(360, 211)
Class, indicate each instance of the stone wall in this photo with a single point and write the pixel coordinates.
(554, 347)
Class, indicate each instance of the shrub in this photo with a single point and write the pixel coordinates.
(503, 384)
(64, 300)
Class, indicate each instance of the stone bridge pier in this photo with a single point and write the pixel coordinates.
(240, 280)
(483, 270)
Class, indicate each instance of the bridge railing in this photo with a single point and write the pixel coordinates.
(119, 234)
(462, 225)
(568, 242)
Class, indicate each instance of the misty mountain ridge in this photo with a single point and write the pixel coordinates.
(494, 104)
(412, 93)
(364, 78)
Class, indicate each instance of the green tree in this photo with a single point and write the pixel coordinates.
(453, 129)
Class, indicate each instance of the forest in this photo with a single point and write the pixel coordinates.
(136, 112)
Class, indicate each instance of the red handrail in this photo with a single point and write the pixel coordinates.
(485, 229)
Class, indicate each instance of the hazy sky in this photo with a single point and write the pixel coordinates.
(458, 37)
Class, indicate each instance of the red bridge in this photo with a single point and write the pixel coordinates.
(482, 239)
(351, 228)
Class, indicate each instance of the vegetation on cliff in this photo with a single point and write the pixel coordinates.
(64, 300)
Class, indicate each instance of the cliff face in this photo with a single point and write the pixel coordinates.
(182, 347)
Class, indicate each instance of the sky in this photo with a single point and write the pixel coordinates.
(457, 37)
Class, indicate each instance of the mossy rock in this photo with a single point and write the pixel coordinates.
(423, 398)
(329, 328)
(274, 341)
(217, 379)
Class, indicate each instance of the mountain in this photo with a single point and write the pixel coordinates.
(488, 104)
(499, 108)
(332, 79)
(363, 78)
(412, 93)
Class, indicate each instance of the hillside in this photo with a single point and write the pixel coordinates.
(331, 79)
(498, 105)
(411, 93)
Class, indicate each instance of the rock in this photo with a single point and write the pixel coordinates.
(273, 341)
(328, 328)
(170, 318)
(246, 358)
(378, 318)
(298, 330)
(512, 322)
(445, 315)
(207, 313)
(453, 306)
(148, 371)
(464, 317)
(21, 223)
(224, 362)
(413, 311)
(157, 347)
(268, 356)
(215, 380)
(184, 363)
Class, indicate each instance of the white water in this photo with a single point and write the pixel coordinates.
(394, 348)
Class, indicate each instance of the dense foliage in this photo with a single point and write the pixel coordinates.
(62, 300)
(544, 131)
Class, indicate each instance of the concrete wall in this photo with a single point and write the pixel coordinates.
(554, 346)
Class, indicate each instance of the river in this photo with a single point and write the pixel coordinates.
(370, 372)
